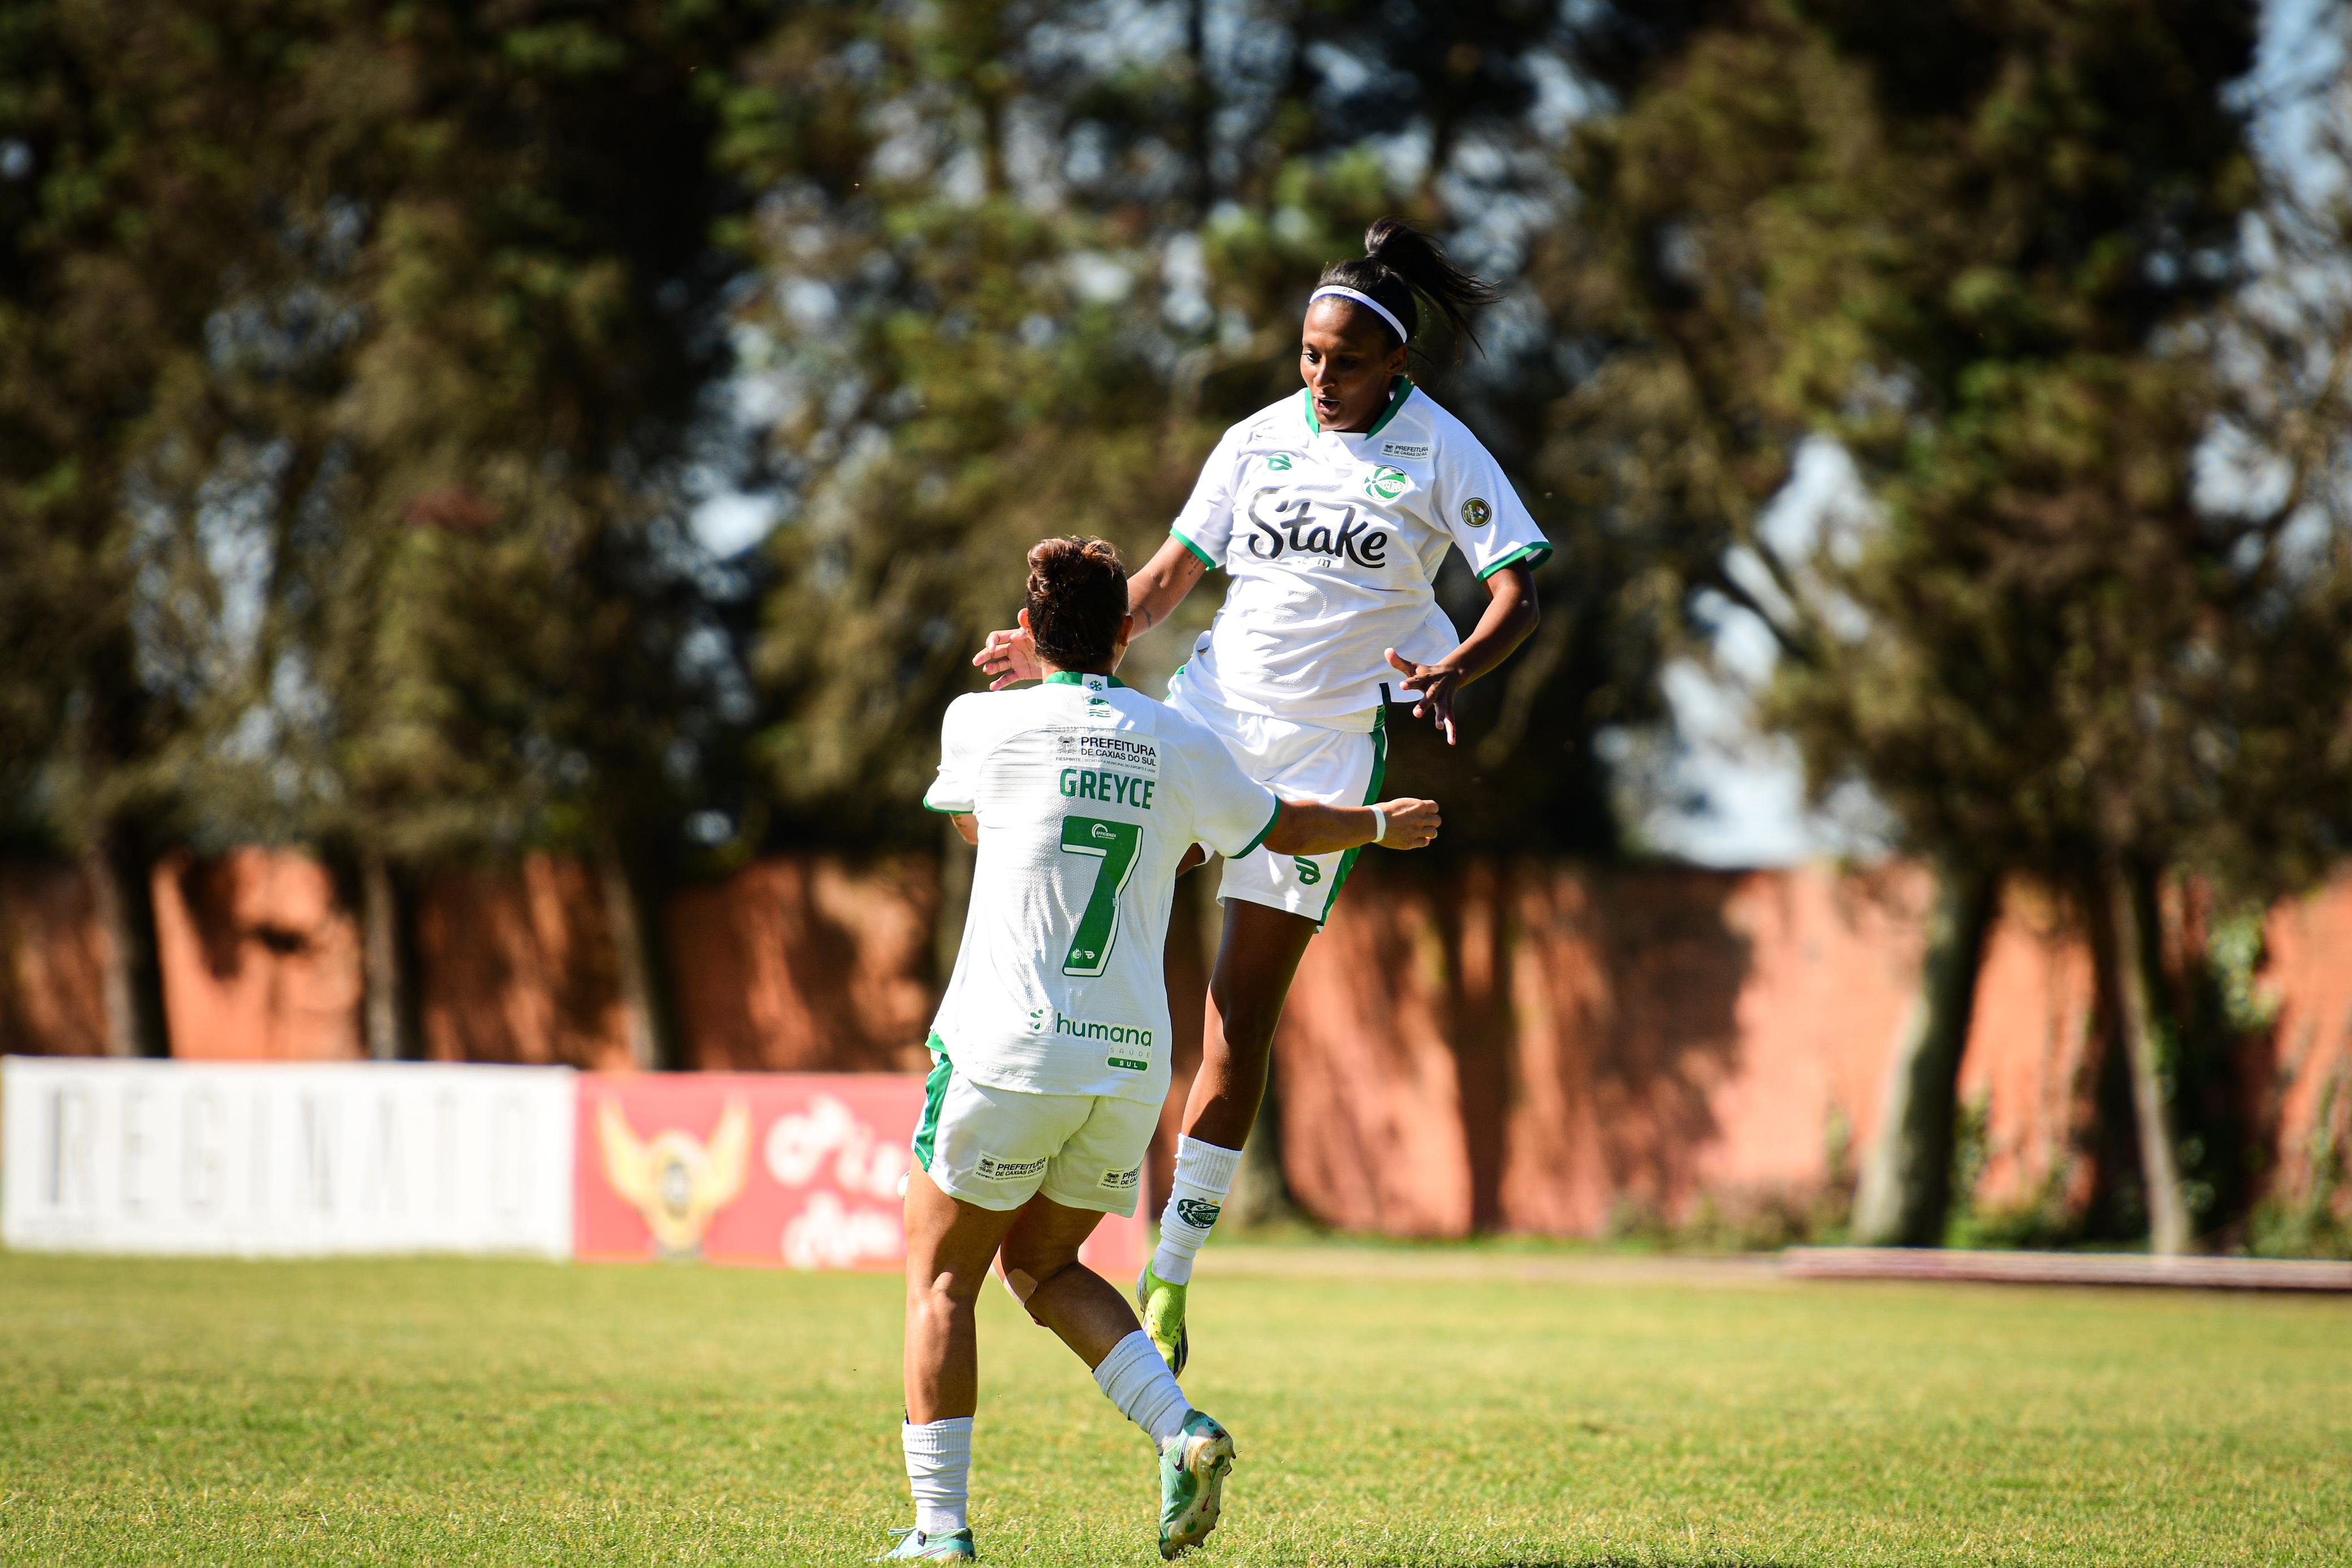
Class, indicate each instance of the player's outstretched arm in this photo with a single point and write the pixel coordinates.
(1009, 657)
(1511, 614)
(1312, 828)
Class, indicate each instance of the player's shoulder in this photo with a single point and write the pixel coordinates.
(1179, 733)
(976, 718)
(1425, 418)
(1278, 424)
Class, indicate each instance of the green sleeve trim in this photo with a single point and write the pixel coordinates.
(1262, 832)
(1205, 557)
(948, 811)
(1534, 555)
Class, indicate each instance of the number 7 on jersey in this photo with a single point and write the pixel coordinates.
(1115, 845)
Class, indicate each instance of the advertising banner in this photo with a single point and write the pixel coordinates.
(285, 1159)
(796, 1170)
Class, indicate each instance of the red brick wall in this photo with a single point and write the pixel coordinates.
(1520, 1046)
(808, 965)
(52, 955)
(260, 959)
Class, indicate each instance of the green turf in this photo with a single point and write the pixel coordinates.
(452, 1411)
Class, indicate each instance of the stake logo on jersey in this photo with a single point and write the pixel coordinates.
(1302, 526)
(1334, 539)
(1087, 795)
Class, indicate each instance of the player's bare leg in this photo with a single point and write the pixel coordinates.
(1040, 1263)
(950, 1245)
(1257, 957)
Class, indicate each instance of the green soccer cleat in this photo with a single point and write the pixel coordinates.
(1160, 1306)
(914, 1546)
(1192, 1468)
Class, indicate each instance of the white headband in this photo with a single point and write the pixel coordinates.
(1377, 309)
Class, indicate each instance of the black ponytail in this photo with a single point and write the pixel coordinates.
(1402, 266)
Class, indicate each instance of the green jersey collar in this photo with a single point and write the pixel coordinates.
(1080, 678)
(1402, 391)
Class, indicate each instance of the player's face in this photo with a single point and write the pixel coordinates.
(1347, 358)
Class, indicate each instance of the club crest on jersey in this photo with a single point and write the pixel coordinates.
(1386, 483)
(1475, 513)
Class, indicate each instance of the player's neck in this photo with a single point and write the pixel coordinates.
(1056, 674)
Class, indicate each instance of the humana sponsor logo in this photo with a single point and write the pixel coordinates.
(1045, 1021)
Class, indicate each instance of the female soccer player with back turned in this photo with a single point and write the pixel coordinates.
(1331, 513)
(1051, 1049)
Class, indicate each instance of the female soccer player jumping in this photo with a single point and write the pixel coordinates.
(1051, 1049)
(1331, 513)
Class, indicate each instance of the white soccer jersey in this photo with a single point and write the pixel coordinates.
(1333, 539)
(1087, 795)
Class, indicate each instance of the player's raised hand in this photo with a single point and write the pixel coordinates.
(1411, 824)
(1435, 684)
(1011, 657)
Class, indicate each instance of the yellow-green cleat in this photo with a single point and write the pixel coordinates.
(1192, 1468)
(1160, 1306)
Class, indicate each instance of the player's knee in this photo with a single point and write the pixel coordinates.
(951, 1292)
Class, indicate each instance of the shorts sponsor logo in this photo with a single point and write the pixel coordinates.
(1406, 451)
(1198, 1215)
(1123, 1181)
(991, 1168)
(1308, 872)
(1386, 483)
(1475, 513)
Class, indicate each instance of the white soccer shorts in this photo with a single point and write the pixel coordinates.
(1301, 762)
(998, 1148)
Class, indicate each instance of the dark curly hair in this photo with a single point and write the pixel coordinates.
(1400, 267)
(1077, 596)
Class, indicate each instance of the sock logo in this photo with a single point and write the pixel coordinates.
(1198, 1215)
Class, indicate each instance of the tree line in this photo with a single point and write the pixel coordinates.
(371, 375)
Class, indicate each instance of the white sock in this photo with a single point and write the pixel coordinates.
(938, 1473)
(1205, 1173)
(1133, 1377)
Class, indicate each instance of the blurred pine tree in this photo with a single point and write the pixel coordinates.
(1027, 262)
(1985, 251)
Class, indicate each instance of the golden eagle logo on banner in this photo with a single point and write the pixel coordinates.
(677, 1182)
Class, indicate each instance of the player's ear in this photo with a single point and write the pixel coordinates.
(1023, 618)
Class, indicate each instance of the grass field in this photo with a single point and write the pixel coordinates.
(450, 1411)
